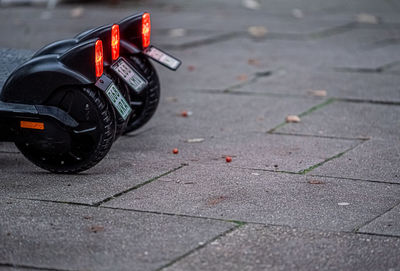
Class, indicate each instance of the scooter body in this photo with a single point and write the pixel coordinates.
(65, 106)
(52, 109)
(132, 72)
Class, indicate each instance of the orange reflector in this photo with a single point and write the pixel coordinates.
(115, 42)
(146, 30)
(32, 125)
(99, 58)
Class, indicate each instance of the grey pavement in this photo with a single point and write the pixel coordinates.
(321, 194)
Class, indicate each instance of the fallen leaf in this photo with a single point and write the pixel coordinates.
(87, 217)
(77, 12)
(366, 18)
(314, 181)
(215, 200)
(253, 62)
(171, 99)
(177, 32)
(96, 229)
(297, 13)
(242, 77)
(251, 4)
(195, 140)
(257, 31)
(292, 119)
(318, 93)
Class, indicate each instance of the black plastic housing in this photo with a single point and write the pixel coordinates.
(35, 80)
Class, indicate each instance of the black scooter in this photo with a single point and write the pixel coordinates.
(133, 73)
(65, 107)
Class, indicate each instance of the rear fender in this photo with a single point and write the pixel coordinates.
(130, 30)
(58, 47)
(35, 81)
(104, 34)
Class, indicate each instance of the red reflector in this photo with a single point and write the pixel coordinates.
(32, 125)
(115, 42)
(99, 58)
(146, 30)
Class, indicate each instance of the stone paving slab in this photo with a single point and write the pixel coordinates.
(387, 224)
(59, 23)
(9, 60)
(8, 147)
(279, 7)
(350, 85)
(10, 268)
(246, 58)
(348, 119)
(285, 24)
(256, 247)
(373, 160)
(363, 38)
(256, 196)
(48, 235)
(32, 28)
(21, 179)
(215, 115)
(257, 150)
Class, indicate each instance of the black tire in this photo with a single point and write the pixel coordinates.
(85, 146)
(144, 105)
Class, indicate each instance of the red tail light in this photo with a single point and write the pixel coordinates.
(99, 58)
(115, 42)
(146, 30)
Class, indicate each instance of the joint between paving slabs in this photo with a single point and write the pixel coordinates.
(237, 222)
(206, 41)
(317, 175)
(19, 266)
(322, 136)
(201, 246)
(270, 35)
(137, 186)
(97, 204)
(382, 43)
(305, 113)
(356, 230)
(249, 93)
(307, 170)
(311, 168)
(253, 80)
(353, 179)
(379, 69)
(286, 95)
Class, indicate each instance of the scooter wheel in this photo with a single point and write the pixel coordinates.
(67, 151)
(145, 104)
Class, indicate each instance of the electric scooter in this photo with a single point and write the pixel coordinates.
(52, 109)
(65, 106)
(128, 64)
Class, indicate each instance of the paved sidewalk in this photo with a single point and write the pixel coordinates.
(321, 194)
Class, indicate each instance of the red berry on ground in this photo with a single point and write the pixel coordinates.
(184, 114)
(175, 151)
(228, 159)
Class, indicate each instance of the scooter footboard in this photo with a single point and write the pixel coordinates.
(14, 117)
